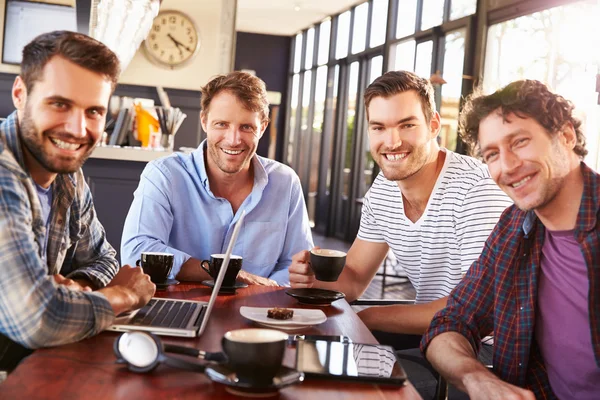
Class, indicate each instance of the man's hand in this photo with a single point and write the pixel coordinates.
(486, 386)
(136, 285)
(77, 284)
(252, 279)
(301, 274)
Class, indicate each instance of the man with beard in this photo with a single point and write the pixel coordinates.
(537, 281)
(188, 205)
(432, 207)
(60, 281)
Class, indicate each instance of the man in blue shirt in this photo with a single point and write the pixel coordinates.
(188, 204)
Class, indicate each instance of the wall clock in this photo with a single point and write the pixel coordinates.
(173, 40)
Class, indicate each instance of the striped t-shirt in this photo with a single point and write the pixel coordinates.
(463, 208)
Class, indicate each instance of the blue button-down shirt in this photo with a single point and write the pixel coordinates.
(175, 211)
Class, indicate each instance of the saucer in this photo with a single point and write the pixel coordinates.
(167, 283)
(302, 317)
(238, 285)
(222, 374)
(315, 296)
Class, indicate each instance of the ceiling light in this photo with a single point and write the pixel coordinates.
(296, 7)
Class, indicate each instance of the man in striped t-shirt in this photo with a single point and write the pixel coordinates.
(432, 207)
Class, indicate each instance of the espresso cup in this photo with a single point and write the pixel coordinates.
(213, 267)
(327, 264)
(157, 265)
(255, 355)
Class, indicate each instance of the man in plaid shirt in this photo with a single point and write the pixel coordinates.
(59, 279)
(536, 284)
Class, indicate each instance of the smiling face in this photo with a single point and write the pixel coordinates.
(400, 138)
(232, 133)
(62, 118)
(527, 163)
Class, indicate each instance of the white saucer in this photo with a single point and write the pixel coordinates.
(302, 317)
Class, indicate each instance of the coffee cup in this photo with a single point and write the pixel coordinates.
(327, 264)
(157, 265)
(213, 267)
(255, 355)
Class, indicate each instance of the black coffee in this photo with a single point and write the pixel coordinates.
(157, 265)
(213, 267)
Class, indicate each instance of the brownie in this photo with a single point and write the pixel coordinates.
(280, 313)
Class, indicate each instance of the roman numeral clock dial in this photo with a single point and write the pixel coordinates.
(173, 40)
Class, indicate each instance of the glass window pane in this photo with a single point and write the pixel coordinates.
(405, 56)
(293, 116)
(552, 46)
(310, 48)
(376, 68)
(304, 129)
(407, 18)
(461, 8)
(378, 22)
(454, 55)
(424, 57)
(433, 13)
(331, 122)
(359, 33)
(298, 53)
(315, 145)
(341, 45)
(351, 119)
(324, 38)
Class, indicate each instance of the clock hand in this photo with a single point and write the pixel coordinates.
(178, 43)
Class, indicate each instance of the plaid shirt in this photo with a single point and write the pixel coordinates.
(499, 293)
(34, 310)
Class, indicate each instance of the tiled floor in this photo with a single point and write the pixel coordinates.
(399, 289)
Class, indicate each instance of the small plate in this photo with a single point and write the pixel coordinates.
(167, 283)
(222, 374)
(238, 285)
(315, 296)
(302, 317)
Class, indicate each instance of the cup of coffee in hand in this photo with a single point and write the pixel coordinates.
(213, 267)
(255, 355)
(157, 265)
(327, 264)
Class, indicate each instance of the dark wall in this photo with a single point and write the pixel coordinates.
(269, 56)
(190, 133)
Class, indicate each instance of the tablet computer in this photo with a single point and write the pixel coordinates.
(357, 362)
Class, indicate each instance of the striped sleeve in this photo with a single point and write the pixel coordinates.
(476, 218)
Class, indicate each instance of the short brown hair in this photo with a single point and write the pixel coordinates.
(524, 98)
(394, 82)
(78, 48)
(250, 91)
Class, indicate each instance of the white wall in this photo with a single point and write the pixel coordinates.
(216, 24)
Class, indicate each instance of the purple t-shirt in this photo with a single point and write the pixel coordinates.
(562, 327)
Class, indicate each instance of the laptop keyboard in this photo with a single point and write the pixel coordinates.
(166, 314)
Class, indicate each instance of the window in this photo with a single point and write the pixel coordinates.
(552, 46)
(407, 17)
(424, 59)
(454, 55)
(293, 119)
(310, 46)
(341, 46)
(298, 53)
(405, 56)
(378, 22)
(433, 13)
(461, 8)
(359, 33)
(324, 38)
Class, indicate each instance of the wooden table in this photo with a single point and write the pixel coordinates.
(87, 369)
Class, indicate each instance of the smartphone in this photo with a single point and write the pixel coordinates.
(336, 360)
(328, 338)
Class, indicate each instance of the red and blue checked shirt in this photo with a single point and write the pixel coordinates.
(499, 293)
(34, 310)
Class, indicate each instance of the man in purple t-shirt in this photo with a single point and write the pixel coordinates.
(537, 281)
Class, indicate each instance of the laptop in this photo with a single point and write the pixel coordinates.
(173, 317)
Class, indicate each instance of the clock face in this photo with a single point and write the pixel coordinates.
(173, 39)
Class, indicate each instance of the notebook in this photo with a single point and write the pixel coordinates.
(173, 317)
